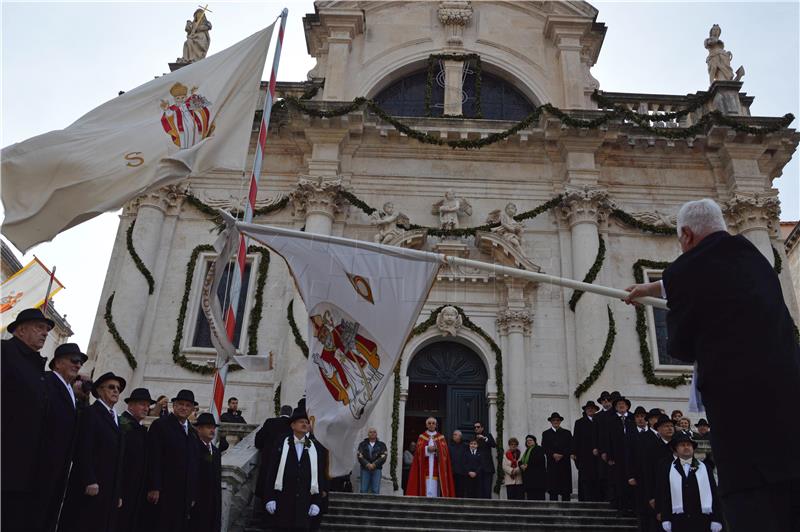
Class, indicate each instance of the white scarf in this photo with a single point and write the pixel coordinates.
(312, 455)
(676, 488)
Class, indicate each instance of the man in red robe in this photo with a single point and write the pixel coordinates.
(431, 471)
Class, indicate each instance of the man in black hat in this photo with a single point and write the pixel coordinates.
(703, 430)
(297, 478)
(172, 466)
(657, 451)
(637, 442)
(207, 511)
(585, 453)
(94, 486)
(619, 429)
(273, 430)
(134, 462)
(557, 445)
(22, 373)
(606, 415)
(686, 491)
(61, 421)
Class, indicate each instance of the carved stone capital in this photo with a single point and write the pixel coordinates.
(753, 211)
(317, 195)
(454, 15)
(510, 321)
(584, 205)
(167, 199)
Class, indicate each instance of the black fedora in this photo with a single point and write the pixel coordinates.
(206, 418)
(185, 395)
(654, 412)
(555, 415)
(663, 418)
(30, 314)
(702, 423)
(590, 404)
(299, 413)
(640, 410)
(65, 350)
(604, 395)
(621, 398)
(108, 377)
(681, 437)
(140, 394)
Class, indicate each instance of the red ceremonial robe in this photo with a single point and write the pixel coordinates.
(442, 467)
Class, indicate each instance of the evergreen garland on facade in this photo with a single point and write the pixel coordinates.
(777, 261)
(591, 275)
(604, 357)
(629, 220)
(276, 399)
(137, 260)
(298, 338)
(112, 329)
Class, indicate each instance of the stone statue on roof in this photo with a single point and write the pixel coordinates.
(197, 39)
(719, 59)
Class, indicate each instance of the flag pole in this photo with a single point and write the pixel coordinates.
(222, 365)
(49, 287)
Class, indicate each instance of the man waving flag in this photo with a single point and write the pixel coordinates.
(189, 122)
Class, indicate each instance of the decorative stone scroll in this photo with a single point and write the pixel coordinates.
(454, 15)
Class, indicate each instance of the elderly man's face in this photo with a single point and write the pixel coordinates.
(430, 424)
(372, 434)
(666, 430)
(32, 333)
(109, 392)
(182, 409)
(206, 432)
(138, 409)
(68, 367)
(555, 422)
(457, 436)
(300, 426)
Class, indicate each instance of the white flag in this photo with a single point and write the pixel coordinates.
(25, 289)
(189, 122)
(363, 300)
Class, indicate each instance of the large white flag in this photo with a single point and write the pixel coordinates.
(363, 300)
(27, 288)
(191, 121)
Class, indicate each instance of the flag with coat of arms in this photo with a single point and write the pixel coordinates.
(192, 121)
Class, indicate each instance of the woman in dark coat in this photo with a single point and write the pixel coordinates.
(557, 443)
(534, 472)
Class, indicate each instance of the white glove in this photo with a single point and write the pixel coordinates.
(715, 526)
(271, 507)
(313, 510)
(667, 526)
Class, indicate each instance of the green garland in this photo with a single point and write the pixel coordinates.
(255, 312)
(498, 370)
(208, 210)
(112, 328)
(641, 331)
(627, 219)
(431, 76)
(355, 201)
(777, 261)
(395, 424)
(137, 260)
(276, 399)
(591, 275)
(298, 338)
(604, 357)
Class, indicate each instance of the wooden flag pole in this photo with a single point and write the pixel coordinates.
(47, 294)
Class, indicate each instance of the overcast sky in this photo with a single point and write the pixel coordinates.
(62, 59)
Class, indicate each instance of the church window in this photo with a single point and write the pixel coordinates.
(657, 330)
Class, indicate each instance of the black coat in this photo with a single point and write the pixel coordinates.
(62, 428)
(295, 499)
(207, 510)
(689, 489)
(98, 460)
(488, 457)
(727, 313)
(172, 470)
(616, 445)
(458, 456)
(232, 417)
(656, 452)
(271, 432)
(376, 455)
(134, 466)
(559, 474)
(584, 442)
(534, 478)
(23, 441)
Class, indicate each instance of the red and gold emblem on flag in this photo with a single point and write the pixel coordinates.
(187, 120)
(348, 361)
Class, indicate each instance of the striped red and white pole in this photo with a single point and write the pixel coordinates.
(222, 366)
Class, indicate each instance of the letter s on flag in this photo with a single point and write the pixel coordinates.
(134, 159)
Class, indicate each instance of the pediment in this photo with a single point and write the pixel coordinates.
(503, 253)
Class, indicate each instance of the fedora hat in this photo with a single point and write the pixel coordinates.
(603, 396)
(185, 395)
(663, 418)
(590, 404)
(654, 412)
(206, 418)
(65, 350)
(702, 423)
(107, 377)
(640, 410)
(555, 415)
(140, 394)
(621, 398)
(30, 314)
(299, 413)
(681, 437)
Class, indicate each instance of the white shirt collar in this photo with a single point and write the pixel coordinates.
(104, 404)
(70, 391)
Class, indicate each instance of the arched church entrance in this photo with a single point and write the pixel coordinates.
(446, 380)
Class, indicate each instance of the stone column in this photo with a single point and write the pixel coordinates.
(342, 26)
(755, 216)
(566, 33)
(516, 324)
(318, 200)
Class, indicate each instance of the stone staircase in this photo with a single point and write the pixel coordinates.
(357, 512)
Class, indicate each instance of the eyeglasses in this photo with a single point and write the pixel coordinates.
(113, 388)
(477, 426)
(76, 360)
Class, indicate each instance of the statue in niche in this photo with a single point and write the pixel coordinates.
(509, 229)
(387, 222)
(449, 210)
(449, 321)
(197, 38)
(719, 59)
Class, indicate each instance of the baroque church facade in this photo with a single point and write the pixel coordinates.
(590, 193)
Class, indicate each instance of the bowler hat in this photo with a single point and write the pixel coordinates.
(702, 423)
(65, 350)
(640, 410)
(185, 395)
(140, 394)
(299, 413)
(663, 418)
(654, 412)
(604, 395)
(107, 377)
(590, 404)
(621, 398)
(555, 415)
(681, 437)
(206, 418)
(30, 314)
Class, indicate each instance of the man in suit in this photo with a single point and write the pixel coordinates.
(62, 424)
(656, 452)
(458, 452)
(557, 444)
(172, 466)
(134, 460)
(23, 378)
(94, 487)
(727, 314)
(604, 417)
(616, 454)
(296, 480)
(207, 511)
(635, 448)
(485, 445)
(271, 432)
(472, 471)
(585, 453)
